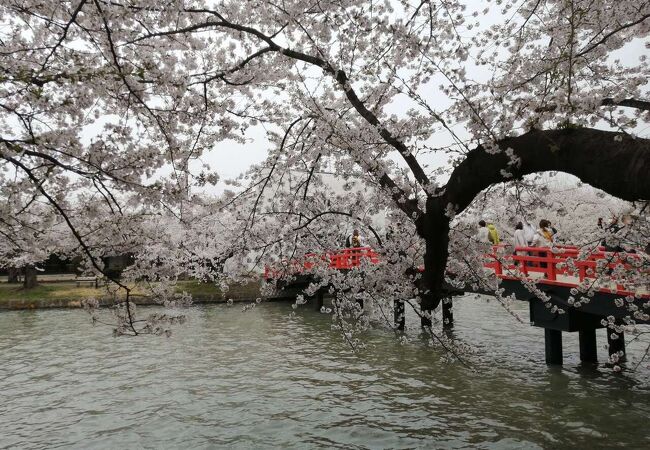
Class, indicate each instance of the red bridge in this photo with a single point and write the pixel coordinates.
(562, 265)
(556, 272)
(344, 259)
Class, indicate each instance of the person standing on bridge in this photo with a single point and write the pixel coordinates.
(529, 231)
(543, 238)
(529, 236)
(354, 240)
(550, 226)
(492, 233)
(520, 241)
(544, 235)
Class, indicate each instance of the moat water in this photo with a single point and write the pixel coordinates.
(261, 379)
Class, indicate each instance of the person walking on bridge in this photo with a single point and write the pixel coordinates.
(492, 233)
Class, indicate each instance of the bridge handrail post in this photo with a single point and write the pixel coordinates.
(346, 261)
(521, 261)
(358, 254)
(334, 260)
(582, 271)
(353, 257)
(524, 265)
(498, 269)
(551, 272)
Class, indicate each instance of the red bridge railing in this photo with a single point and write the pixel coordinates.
(557, 264)
(344, 259)
(562, 265)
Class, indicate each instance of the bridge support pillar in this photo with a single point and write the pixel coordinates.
(588, 347)
(399, 314)
(616, 345)
(447, 314)
(319, 299)
(553, 346)
(425, 320)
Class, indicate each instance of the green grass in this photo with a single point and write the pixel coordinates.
(70, 291)
(47, 291)
(196, 288)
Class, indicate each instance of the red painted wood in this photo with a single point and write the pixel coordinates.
(506, 266)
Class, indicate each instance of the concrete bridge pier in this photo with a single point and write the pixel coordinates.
(553, 346)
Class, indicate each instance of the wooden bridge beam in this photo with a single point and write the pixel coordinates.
(319, 299)
(399, 314)
(553, 346)
(616, 345)
(447, 314)
(588, 346)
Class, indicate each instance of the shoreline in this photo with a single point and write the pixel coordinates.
(11, 301)
(62, 303)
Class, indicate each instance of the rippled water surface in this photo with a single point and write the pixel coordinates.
(260, 379)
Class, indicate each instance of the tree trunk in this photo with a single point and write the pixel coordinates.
(434, 229)
(14, 275)
(30, 280)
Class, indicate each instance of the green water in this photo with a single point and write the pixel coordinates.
(258, 379)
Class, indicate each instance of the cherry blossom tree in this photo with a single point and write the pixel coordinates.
(428, 102)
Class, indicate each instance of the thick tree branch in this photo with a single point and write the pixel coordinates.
(628, 102)
(615, 163)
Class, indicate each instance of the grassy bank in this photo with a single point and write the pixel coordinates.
(69, 295)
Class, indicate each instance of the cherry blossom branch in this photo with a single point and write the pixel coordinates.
(339, 76)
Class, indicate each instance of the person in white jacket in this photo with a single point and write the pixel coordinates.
(520, 240)
(520, 236)
(529, 231)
